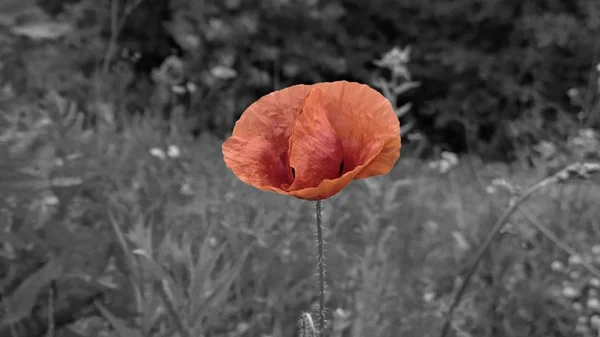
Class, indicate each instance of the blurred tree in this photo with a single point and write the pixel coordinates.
(489, 69)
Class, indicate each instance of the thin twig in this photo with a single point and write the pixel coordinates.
(321, 267)
(116, 26)
(577, 168)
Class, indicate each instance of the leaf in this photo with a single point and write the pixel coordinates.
(118, 324)
(406, 86)
(22, 300)
(403, 110)
(157, 273)
(218, 294)
(43, 30)
(406, 128)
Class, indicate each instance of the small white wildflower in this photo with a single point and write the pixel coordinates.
(577, 306)
(158, 153)
(557, 266)
(596, 250)
(594, 282)
(563, 175)
(593, 303)
(445, 166)
(595, 321)
(394, 58)
(447, 162)
(431, 226)
(242, 328)
(223, 72)
(572, 92)
(178, 89)
(575, 274)
(546, 149)
(587, 133)
(213, 241)
(450, 157)
(428, 296)
(186, 189)
(570, 292)
(51, 200)
(191, 87)
(339, 312)
(575, 259)
(173, 151)
(490, 189)
(43, 122)
(191, 40)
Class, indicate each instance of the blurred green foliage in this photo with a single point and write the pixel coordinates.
(133, 232)
(132, 227)
(495, 74)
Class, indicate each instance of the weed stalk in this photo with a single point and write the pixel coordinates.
(577, 169)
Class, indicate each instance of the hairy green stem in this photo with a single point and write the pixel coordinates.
(321, 267)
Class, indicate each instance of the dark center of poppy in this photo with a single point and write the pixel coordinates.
(340, 171)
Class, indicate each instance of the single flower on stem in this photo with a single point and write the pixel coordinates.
(311, 141)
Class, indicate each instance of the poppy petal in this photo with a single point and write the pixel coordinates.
(330, 187)
(273, 115)
(256, 162)
(311, 141)
(362, 118)
(385, 160)
(316, 152)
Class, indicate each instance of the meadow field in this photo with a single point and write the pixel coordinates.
(119, 217)
(136, 232)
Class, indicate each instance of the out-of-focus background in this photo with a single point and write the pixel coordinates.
(119, 218)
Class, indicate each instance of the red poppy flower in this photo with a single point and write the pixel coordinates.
(311, 141)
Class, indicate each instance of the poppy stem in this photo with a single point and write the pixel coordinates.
(321, 267)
